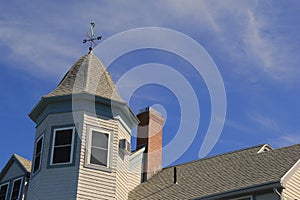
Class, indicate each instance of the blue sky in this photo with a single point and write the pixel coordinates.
(255, 45)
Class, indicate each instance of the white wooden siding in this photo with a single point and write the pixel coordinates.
(292, 187)
(54, 183)
(95, 183)
(135, 169)
(122, 166)
(135, 172)
(79, 181)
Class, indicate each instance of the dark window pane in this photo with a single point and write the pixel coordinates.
(99, 140)
(98, 156)
(37, 163)
(63, 137)
(3, 192)
(61, 154)
(39, 146)
(16, 190)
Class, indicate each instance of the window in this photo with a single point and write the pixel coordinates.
(98, 148)
(62, 146)
(38, 153)
(3, 191)
(16, 189)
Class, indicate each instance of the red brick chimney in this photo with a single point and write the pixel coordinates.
(150, 135)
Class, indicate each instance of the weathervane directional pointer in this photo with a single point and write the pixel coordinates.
(91, 37)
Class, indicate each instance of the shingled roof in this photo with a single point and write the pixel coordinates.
(219, 174)
(89, 75)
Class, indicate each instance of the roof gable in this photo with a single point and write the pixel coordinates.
(219, 174)
(15, 166)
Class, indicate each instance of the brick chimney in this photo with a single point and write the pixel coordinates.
(150, 135)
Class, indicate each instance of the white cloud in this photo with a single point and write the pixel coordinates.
(43, 37)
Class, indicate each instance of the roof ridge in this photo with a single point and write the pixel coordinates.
(87, 71)
(217, 155)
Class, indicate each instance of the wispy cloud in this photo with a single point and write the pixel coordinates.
(242, 31)
(285, 140)
(265, 122)
(237, 125)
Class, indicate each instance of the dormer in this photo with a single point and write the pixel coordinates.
(265, 148)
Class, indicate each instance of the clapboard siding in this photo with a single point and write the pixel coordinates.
(292, 188)
(135, 176)
(135, 170)
(48, 182)
(122, 166)
(95, 183)
(13, 172)
(80, 181)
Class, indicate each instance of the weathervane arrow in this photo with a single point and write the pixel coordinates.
(91, 37)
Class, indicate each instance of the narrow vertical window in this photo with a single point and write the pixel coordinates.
(99, 148)
(16, 189)
(3, 191)
(38, 154)
(62, 147)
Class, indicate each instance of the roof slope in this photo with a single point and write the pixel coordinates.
(219, 174)
(89, 75)
(24, 162)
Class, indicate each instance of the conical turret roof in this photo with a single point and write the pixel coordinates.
(88, 75)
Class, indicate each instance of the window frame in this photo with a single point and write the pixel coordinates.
(7, 190)
(41, 154)
(12, 187)
(52, 147)
(88, 149)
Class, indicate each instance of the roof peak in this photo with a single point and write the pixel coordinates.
(88, 75)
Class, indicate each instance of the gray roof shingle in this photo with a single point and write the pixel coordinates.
(89, 75)
(219, 174)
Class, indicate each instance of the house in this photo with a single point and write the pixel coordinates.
(14, 178)
(82, 151)
(256, 173)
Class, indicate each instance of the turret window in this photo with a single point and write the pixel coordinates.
(62, 146)
(98, 148)
(38, 154)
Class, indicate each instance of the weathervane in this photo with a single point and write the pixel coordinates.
(91, 37)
